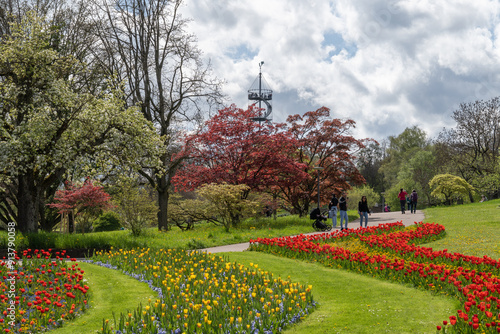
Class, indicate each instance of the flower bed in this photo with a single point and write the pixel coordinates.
(203, 293)
(39, 293)
(391, 253)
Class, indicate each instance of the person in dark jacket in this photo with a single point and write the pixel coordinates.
(333, 207)
(343, 211)
(363, 211)
(414, 199)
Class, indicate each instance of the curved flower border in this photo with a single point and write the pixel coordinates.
(392, 253)
(203, 293)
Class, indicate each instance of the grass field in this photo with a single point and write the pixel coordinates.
(472, 229)
(112, 291)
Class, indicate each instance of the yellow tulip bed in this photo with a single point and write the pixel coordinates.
(204, 293)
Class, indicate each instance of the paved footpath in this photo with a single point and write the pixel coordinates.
(375, 219)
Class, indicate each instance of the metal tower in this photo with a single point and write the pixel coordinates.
(260, 92)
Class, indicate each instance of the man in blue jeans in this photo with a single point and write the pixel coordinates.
(343, 211)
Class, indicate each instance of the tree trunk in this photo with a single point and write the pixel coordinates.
(235, 220)
(305, 213)
(275, 197)
(71, 222)
(163, 196)
(470, 197)
(27, 197)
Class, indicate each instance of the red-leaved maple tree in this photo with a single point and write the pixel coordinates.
(85, 201)
(233, 148)
(322, 142)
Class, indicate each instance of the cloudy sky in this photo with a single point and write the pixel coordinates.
(387, 65)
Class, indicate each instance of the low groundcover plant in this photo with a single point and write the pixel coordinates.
(390, 252)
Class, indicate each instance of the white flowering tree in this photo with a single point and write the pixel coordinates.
(50, 123)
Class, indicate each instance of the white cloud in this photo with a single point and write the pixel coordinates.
(385, 64)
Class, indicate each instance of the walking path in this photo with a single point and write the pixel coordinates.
(375, 219)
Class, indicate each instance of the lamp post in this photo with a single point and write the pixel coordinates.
(318, 169)
(383, 200)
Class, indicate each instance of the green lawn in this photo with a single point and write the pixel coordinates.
(472, 229)
(112, 291)
(352, 303)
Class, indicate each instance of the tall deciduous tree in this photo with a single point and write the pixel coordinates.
(322, 142)
(473, 146)
(49, 122)
(232, 148)
(417, 172)
(72, 32)
(369, 160)
(401, 149)
(144, 43)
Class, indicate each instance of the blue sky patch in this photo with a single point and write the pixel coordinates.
(241, 52)
(335, 39)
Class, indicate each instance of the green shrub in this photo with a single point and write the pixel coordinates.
(356, 193)
(41, 240)
(136, 225)
(136, 207)
(83, 226)
(109, 221)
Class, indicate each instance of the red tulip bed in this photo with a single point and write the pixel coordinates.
(390, 251)
(38, 293)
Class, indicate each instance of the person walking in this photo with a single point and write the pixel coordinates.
(363, 211)
(343, 211)
(332, 210)
(402, 199)
(414, 199)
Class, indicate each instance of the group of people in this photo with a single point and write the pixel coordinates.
(408, 199)
(340, 205)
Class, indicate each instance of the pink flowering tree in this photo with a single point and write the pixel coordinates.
(83, 202)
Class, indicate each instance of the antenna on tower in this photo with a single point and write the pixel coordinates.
(260, 93)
